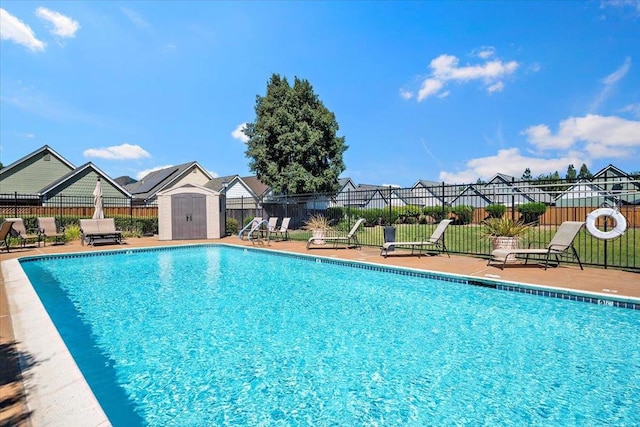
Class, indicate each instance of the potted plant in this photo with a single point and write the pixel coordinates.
(318, 225)
(504, 233)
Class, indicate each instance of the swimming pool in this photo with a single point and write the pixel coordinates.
(217, 335)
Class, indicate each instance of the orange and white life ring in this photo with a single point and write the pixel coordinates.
(618, 230)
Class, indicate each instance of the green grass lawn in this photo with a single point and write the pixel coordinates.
(467, 239)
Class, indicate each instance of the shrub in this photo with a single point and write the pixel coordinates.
(372, 216)
(317, 222)
(436, 212)
(72, 232)
(337, 213)
(496, 211)
(464, 214)
(231, 227)
(531, 211)
(503, 227)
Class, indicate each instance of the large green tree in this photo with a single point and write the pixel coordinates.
(293, 146)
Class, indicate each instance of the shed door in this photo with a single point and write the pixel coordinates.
(188, 216)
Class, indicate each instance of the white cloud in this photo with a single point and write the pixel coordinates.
(406, 94)
(496, 87)
(135, 18)
(117, 152)
(511, 162)
(621, 4)
(486, 52)
(609, 83)
(633, 109)
(429, 87)
(13, 29)
(239, 134)
(446, 68)
(146, 172)
(213, 174)
(604, 136)
(63, 26)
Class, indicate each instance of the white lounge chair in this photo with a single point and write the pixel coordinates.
(350, 238)
(436, 241)
(49, 230)
(273, 222)
(283, 230)
(561, 242)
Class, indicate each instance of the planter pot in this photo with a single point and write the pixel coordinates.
(319, 236)
(506, 243)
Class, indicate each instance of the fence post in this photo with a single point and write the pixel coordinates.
(444, 203)
(15, 204)
(513, 199)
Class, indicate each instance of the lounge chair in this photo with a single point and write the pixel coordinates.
(561, 242)
(283, 230)
(273, 222)
(5, 233)
(49, 230)
(20, 231)
(436, 241)
(103, 230)
(350, 238)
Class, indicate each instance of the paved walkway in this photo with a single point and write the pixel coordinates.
(609, 282)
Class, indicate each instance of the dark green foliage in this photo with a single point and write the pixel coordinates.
(335, 213)
(531, 211)
(137, 226)
(496, 211)
(292, 144)
(373, 216)
(231, 226)
(571, 174)
(436, 212)
(584, 172)
(464, 214)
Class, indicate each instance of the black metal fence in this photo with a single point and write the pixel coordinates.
(414, 213)
(69, 209)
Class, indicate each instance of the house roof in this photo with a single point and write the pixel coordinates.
(79, 170)
(36, 152)
(255, 185)
(158, 180)
(217, 183)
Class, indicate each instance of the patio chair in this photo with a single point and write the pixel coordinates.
(20, 232)
(351, 237)
(273, 222)
(5, 233)
(561, 242)
(283, 231)
(49, 230)
(436, 241)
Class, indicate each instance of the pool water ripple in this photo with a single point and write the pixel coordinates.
(220, 336)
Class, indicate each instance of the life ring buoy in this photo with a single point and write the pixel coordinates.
(618, 230)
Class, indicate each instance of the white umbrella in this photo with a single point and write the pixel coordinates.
(97, 201)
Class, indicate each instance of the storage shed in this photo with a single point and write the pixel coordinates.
(191, 212)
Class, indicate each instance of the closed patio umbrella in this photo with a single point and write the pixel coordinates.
(97, 201)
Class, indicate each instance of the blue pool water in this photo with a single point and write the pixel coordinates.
(215, 335)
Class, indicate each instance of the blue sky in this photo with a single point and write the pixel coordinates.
(451, 91)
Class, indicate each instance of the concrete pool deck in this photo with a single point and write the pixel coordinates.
(20, 392)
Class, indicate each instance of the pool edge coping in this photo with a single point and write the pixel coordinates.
(57, 393)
